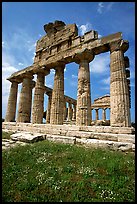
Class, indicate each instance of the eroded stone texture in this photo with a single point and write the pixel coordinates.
(97, 117)
(57, 104)
(12, 101)
(65, 111)
(48, 109)
(69, 111)
(83, 114)
(38, 102)
(24, 109)
(119, 96)
(74, 112)
(61, 44)
(103, 114)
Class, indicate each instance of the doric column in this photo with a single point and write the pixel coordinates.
(57, 104)
(65, 111)
(24, 108)
(74, 112)
(97, 118)
(48, 108)
(119, 96)
(12, 101)
(69, 111)
(104, 114)
(83, 113)
(38, 101)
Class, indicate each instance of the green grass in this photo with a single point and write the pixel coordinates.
(52, 172)
(6, 135)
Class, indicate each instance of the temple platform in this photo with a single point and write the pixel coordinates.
(114, 138)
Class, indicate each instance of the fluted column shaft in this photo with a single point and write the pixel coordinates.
(103, 114)
(24, 108)
(69, 111)
(65, 111)
(97, 117)
(83, 114)
(74, 112)
(38, 102)
(119, 97)
(12, 101)
(48, 109)
(57, 104)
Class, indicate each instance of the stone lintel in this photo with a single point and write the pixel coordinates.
(68, 99)
(98, 46)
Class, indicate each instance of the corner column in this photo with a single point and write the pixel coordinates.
(57, 104)
(119, 96)
(24, 108)
(12, 101)
(83, 113)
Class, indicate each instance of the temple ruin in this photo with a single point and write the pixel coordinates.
(59, 46)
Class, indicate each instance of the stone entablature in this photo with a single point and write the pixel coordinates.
(101, 102)
(60, 46)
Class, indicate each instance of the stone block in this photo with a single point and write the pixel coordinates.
(27, 137)
(63, 139)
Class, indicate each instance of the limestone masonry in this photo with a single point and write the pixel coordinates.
(59, 46)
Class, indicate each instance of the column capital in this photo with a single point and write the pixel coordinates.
(43, 70)
(59, 65)
(85, 55)
(119, 45)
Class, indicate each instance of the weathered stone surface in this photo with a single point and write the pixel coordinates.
(27, 137)
(57, 104)
(38, 107)
(83, 113)
(12, 101)
(8, 143)
(62, 45)
(24, 109)
(48, 109)
(119, 97)
(63, 139)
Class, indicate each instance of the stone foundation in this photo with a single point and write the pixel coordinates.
(92, 136)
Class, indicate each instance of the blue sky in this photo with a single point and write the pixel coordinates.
(22, 26)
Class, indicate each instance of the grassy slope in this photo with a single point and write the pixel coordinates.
(46, 171)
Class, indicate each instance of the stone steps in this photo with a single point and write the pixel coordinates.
(94, 136)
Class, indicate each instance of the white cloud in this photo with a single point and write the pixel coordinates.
(74, 76)
(100, 64)
(105, 88)
(3, 43)
(20, 64)
(100, 7)
(106, 81)
(104, 7)
(85, 28)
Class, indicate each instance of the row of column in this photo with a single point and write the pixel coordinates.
(119, 97)
(103, 113)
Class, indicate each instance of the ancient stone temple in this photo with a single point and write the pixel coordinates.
(61, 45)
